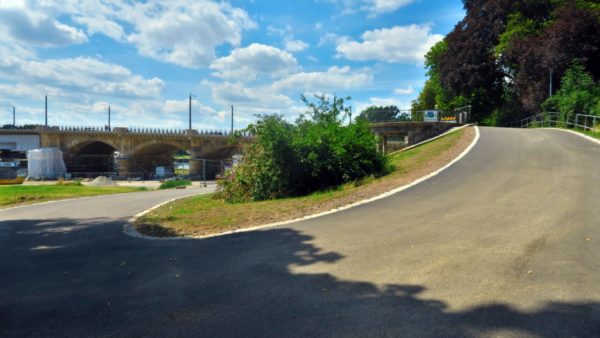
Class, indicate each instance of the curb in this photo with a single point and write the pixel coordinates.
(130, 230)
(589, 138)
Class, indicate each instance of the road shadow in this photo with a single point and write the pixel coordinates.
(66, 278)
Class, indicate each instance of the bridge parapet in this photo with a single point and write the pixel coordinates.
(413, 132)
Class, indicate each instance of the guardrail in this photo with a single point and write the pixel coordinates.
(585, 122)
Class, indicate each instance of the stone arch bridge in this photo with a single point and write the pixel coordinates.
(92, 149)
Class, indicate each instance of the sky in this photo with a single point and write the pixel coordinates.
(144, 58)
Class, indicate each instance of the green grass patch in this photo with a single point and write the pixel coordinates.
(174, 184)
(203, 214)
(595, 135)
(27, 194)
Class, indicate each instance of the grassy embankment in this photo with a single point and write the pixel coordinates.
(202, 215)
(595, 135)
(11, 195)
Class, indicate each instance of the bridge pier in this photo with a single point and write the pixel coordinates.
(126, 166)
(196, 168)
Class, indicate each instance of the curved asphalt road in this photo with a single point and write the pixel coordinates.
(506, 242)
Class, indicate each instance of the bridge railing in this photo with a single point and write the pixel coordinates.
(458, 115)
(585, 122)
(131, 129)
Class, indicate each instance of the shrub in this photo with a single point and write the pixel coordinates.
(174, 183)
(578, 94)
(316, 152)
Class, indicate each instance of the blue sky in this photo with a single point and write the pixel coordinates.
(144, 58)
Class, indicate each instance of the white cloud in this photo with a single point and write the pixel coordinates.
(186, 33)
(292, 45)
(255, 61)
(176, 31)
(83, 74)
(24, 26)
(330, 80)
(399, 44)
(227, 93)
(330, 38)
(372, 7)
(377, 7)
(404, 91)
(281, 95)
(102, 25)
(179, 106)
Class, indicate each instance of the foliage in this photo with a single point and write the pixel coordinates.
(62, 182)
(500, 56)
(578, 94)
(381, 114)
(174, 183)
(316, 152)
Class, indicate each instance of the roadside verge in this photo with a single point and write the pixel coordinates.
(435, 157)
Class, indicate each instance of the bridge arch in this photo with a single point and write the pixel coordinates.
(148, 156)
(91, 157)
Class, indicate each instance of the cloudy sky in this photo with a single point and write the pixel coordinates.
(144, 58)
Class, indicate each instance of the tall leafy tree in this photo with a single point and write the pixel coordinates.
(502, 56)
(381, 114)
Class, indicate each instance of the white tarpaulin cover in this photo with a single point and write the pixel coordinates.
(45, 163)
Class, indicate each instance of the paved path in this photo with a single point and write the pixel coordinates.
(506, 242)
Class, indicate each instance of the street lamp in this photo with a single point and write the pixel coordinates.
(190, 112)
(108, 105)
(46, 109)
(231, 119)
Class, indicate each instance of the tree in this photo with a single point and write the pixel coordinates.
(578, 94)
(381, 114)
(316, 152)
(572, 33)
(501, 56)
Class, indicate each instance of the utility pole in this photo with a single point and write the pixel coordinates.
(231, 119)
(551, 83)
(190, 113)
(109, 117)
(46, 111)
(14, 125)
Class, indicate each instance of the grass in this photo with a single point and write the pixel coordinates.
(595, 135)
(202, 215)
(27, 194)
(174, 184)
(589, 133)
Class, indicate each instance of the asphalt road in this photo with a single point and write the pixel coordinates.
(506, 242)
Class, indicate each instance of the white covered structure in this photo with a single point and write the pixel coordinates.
(45, 163)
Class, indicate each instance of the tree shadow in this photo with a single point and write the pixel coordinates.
(67, 278)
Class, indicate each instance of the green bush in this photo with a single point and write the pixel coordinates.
(578, 94)
(315, 153)
(174, 183)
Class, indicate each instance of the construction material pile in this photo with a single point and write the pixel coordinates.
(102, 181)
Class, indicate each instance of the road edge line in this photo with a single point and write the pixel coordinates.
(589, 138)
(130, 230)
(431, 139)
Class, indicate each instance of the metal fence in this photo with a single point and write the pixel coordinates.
(457, 115)
(585, 122)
